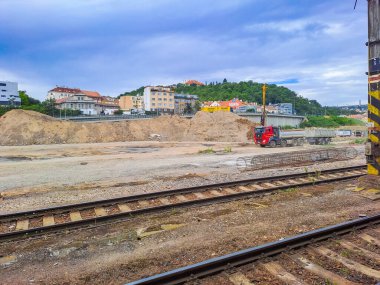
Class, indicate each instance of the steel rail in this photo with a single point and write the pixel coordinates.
(126, 215)
(113, 201)
(218, 264)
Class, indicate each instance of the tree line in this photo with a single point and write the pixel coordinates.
(252, 92)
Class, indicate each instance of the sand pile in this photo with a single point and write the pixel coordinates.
(20, 127)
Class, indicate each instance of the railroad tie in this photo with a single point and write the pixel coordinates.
(100, 212)
(350, 264)
(239, 278)
(304, 180)
(282, 183)
(270, 185)
(291, 181)
(370, 239)
(216, 193)
(124, 208)
(182, 198)
(75, 216)
(230, 191)
(350, 246)
(48, 221)
(22, 225)
(200, 195)
(324, 177)
(320, 271)
(245, 189)
(258, 187)
(143, 204)
(280, 273)
(164, 201)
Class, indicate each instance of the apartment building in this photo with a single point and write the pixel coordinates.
(183, 103)
(9, 94)
(128, 103)
(159, 99)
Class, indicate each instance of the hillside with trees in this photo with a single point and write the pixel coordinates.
(252, 92)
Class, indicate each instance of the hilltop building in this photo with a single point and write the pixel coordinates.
(194, 83)
(9, 94)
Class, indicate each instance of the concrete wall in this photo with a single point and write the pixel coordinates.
(275, 119)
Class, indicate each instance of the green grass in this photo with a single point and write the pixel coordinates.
(228, 149)
(207, 150)
(359, 141)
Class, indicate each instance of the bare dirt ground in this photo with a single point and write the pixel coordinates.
(47, 175)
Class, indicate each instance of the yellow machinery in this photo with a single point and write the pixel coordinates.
(264, 112)
(373, 145)
(216, 109)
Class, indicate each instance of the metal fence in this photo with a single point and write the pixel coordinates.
(104, 118)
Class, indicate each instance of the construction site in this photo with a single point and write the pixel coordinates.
(214, 198)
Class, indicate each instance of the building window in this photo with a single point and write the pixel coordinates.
(159, 99)
(153, 104)
(153, 99)
(165, 99)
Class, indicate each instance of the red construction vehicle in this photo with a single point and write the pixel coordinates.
(273, 136)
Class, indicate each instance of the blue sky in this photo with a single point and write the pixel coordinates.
(313, 47)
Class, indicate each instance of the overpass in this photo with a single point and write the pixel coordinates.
(277, 120)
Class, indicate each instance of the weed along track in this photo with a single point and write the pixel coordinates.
(31, 223)
(347, 253)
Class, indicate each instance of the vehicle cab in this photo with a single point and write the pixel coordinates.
(265, 135)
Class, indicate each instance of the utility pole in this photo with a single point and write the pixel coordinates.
(264, 114)
(373, 147)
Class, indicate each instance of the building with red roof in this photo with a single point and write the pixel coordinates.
(194, 83)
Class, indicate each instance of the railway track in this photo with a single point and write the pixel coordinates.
(31, 223)
(343, 254)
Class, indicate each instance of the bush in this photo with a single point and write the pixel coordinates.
(118, 112)
(329, 122)
(207, 150)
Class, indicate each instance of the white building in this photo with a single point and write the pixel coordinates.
(159, 99)
(88, 102)
(9, 94)
(85, 104)
(62, 92)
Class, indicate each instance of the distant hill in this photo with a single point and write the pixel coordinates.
(252, 92)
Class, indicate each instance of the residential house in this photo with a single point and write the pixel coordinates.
(88, 102)
(79, 101)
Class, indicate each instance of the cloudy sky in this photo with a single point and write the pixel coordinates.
(313, 47)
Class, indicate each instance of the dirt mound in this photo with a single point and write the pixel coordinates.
(20, 127)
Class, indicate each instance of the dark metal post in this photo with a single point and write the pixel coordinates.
(373, 147)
